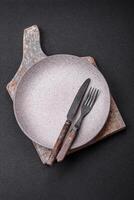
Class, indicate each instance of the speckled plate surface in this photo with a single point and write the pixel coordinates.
(45, 93)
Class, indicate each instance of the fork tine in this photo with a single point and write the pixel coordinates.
(94, 99)
(92, 96)
(88, 96)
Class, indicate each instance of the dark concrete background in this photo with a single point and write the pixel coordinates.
(105, 30)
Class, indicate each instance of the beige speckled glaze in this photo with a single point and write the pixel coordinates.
(45, 93)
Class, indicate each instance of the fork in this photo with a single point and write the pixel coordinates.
(71, 135)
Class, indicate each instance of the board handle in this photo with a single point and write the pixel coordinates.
(32, 54)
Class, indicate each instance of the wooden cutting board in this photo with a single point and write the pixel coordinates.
(32, 54)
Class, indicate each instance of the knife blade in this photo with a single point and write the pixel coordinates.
(70, 116)
(77, 100)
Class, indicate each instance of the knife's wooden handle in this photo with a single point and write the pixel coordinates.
(69, 139)
(58, 143)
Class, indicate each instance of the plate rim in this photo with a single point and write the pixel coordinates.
(14, 100)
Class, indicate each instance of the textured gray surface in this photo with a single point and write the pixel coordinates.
(32, 50)
(105, 30)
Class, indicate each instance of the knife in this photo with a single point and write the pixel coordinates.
(70, 116)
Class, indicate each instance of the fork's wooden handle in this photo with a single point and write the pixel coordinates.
(69, 139)
(58, 143)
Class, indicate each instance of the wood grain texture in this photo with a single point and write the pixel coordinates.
(32, 54)
(69, 139)
(58, 143)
